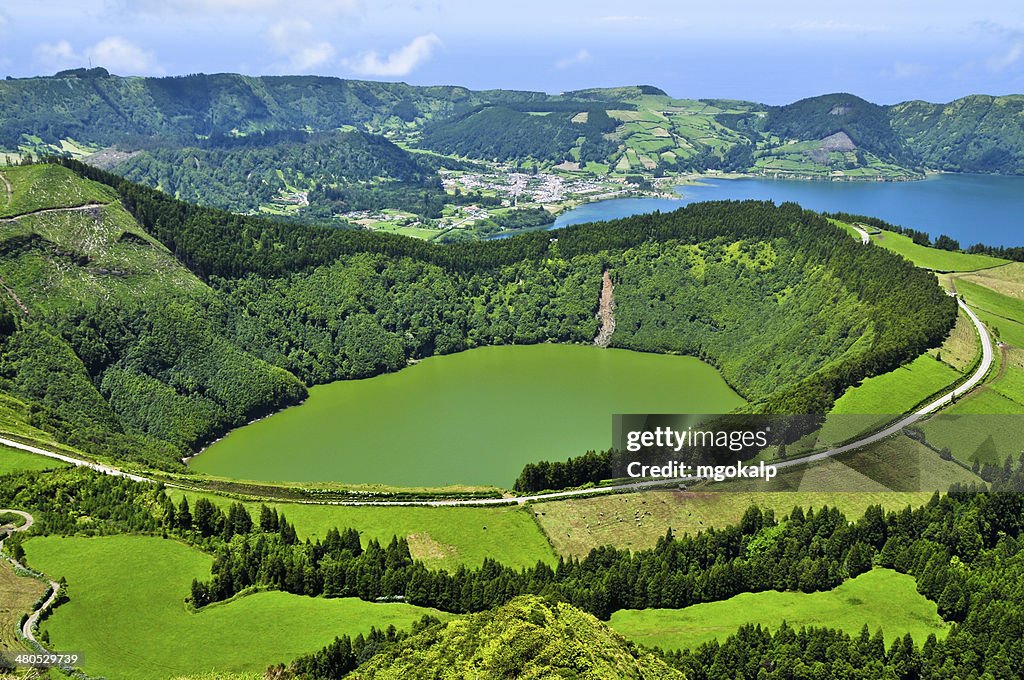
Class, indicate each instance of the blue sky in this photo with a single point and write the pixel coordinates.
(885, 51)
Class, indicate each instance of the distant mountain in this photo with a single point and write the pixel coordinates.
(278, 143)
(864, 124)
(979, 133)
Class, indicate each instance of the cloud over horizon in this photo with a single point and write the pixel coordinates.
(400, 62)
(113, 53)
(580, 57)
(294, 39)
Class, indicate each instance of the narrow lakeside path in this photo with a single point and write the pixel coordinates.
(606, 311)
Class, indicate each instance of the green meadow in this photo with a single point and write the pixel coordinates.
(933, 258)
(475, 417)
(16, 460)
(441, 537)
(128, 616)
(881, 599)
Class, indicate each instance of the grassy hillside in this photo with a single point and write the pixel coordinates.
(113, 343)
(879, 599)
(933, 258)
(127, 612)
(526, 638)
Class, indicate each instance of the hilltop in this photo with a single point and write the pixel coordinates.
(527, 638)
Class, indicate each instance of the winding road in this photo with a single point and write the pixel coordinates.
(28, 628)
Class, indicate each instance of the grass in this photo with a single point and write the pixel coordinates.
(48, 186)
(19, 594)
(897, 463)
(441, 537)
(961, 349)
(15, 460)
(899, 390)
(881, 599)
(1002, 313)
(933, 258)
(1007, 280)
(636, 521)
(128, 616)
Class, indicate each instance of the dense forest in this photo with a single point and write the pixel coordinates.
(964, 549)
(501, 133)
(340, 171)
(162, 359)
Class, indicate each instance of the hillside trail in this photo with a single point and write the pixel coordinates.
(606, 312)
(8, 187)
(43, 211)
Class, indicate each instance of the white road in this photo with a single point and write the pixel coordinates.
(865, 237)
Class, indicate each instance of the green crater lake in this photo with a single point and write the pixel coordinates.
(470, 418)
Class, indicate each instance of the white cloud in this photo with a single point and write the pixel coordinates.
(57, 56)
(113, 53)
(294, 39)
(581, 57)
(1012, 47)
(1008, 58)
(121, 56)
(901, 70)
(401, 62)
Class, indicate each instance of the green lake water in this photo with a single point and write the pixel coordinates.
(470, 418)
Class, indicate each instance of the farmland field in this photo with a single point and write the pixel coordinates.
(128, 615)
(636, 521)
(881, 598)
(441, 537)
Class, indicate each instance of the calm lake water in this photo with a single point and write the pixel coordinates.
(970, 208)
(470, 418)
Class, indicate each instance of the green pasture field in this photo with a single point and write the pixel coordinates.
(881, 599)
(933, 258)
(16, 460)
(1007, 280)
(128, 616)
(636, 521)
(899, 390)
(48, 186)
(441, 537)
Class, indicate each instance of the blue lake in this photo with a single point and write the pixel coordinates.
(970, 208)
